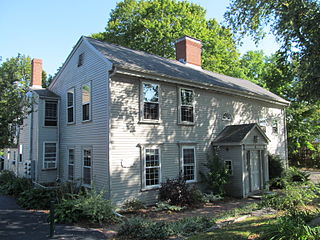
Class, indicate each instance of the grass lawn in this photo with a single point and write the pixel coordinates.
(250, 228)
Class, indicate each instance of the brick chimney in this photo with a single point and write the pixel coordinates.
(188, 51)
(36, 73)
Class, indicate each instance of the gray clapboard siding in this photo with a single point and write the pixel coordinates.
(95, 132)
(126, 131)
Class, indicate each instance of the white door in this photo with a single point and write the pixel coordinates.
(255, 170)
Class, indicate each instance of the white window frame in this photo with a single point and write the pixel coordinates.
(89, 102)
(44, 113)
(276, 121)
(83, 167)
(180, 105)
(142, 119)
(20, 153)
(74, 154)
(71, 90)
(226, 118)
(263, 123)
(145, 186)
(231, 165)
(194, 164)
(44, 154)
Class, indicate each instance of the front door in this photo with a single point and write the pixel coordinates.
(255, 174)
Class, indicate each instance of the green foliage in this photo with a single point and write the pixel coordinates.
(176, 191)
(154, 25)
(140, 228)
(133, 205)
(217, 175)
(12, 185)
(276, 168)
(291, 228)
(166, 206)
(289, 176)
(90, 206)
(299, 35)
(292, 197)
(35, 198)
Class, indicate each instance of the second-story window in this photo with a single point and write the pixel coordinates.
(86, 102)
(51, 113)
(70, 106)
(150, 101)
(275, 126)
(186, 105)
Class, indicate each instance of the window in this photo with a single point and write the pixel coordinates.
(87, 163)
(50, 155)
(274, 126)
(80, 59)
(226, 117)
(263, 124)
(86, 101)
(14, 155)
(70, 106)
(20, 152)
(71, 164)
(51, 111)
(189, 163)
(150, 101)
(186, 105)
(228, 166)
(152, 167)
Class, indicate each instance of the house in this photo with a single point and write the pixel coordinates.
(124, 120)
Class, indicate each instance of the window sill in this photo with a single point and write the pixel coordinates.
(86, 186)
(191, 181)
(71, 123)
(87, 121)
(50, 126)
(186, 123)
(48, 169)
(150, 122)
(153, 188)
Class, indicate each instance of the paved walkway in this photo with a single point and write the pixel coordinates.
(19, 224)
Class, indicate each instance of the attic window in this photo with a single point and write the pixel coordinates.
(275, 126)
(80, 60)
(263, 124)
(226, 117)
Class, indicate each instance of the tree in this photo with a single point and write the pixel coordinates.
(295, 25)
(15, 75)
(154, 25)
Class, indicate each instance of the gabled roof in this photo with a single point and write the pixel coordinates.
(45, 93)
(236, 133)
(144, 62)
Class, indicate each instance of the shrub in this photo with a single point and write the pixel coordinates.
(133, 205)
(12, 185)
(210, 197)
(140, 228)
(176, 191)
(217, 175)
(291, 228)
(289, 176)
(166, 206)
(35, 198)
(276, 168)
(91, 206)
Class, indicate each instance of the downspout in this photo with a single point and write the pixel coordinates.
(58, 143)
(112, 72)
(31, 141)
(286, 137)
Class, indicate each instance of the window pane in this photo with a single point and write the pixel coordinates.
(86, 112)
(70, 114)
(186, 97)
(86, 93)
(151, 111)
(152, 176)
(87, 176)
(71, 156)
(151, 92)
(152, 157)
(87, 158)
(186, 114)
(70, 99)
(51, 113)
(50, 155)
(188, 156)
(188, 172)
(70, 172)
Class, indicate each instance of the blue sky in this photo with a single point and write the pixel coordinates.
(48, 29)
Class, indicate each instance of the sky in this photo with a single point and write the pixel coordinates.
(48, 29)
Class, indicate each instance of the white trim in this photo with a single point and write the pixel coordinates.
(153, 121)
(195, 163)
(71, 90)
(89, 83)
(44, 152)
(144, 148)
(180, 105)
(82, 166)
(188, 38)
